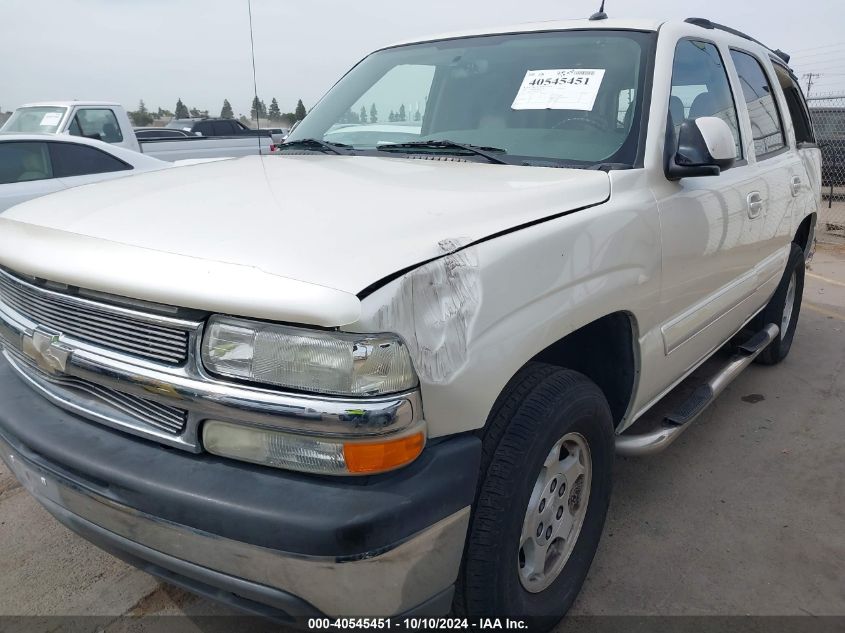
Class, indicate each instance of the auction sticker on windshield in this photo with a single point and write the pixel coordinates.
(51, 118)
(559, 89)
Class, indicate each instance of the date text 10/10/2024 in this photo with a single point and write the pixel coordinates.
(417, 624)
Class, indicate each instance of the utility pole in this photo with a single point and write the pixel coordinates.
(810, 77)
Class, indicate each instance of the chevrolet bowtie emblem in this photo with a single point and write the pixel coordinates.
(46, 350)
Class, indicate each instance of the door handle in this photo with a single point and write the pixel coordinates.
(795, 186)
(755, 204)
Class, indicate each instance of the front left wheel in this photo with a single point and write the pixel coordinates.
(542, 501)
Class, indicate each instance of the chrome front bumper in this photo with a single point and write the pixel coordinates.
(303, 545)
(384, 583)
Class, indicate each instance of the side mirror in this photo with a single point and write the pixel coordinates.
(705, 148)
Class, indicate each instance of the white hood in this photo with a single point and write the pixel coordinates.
(282, 237)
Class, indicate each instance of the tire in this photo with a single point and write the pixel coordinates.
(778, 309)
(543, 406)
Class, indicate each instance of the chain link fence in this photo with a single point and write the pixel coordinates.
(828, 113)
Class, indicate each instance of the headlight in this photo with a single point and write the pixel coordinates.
(324, 455)
(309, 360)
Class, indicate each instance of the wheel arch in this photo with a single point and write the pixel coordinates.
(605, 350)
(805, 234)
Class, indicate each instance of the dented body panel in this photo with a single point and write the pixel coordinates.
(582, 266)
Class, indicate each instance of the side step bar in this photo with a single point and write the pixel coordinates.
(677, 422)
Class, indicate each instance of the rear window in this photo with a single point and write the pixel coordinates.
(36, 120)
(70, 160)
(766, 129)
(797, 105)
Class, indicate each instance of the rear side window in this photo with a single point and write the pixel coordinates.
(700, 87)
(223, 128)
(206, 128)
(24, 162)
(96, 123)
(798, 111)
(766, 128)
(70, 160)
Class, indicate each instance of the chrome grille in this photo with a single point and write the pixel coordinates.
(171, 420)
(90, 324)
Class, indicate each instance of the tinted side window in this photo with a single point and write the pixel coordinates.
(70, 159)
(766, 129)
(700, 87)
(798, 111)
(96, 123)
(23, 162)
(206, 128)
(223, 128)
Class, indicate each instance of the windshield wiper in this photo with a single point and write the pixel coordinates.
(317, 146)
(451, 147)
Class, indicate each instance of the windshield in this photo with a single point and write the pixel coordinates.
(565, 96)
(36, 120)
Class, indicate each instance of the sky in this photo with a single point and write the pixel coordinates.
(199, 50)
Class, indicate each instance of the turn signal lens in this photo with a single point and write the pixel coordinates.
(323, 455)
(378, 457)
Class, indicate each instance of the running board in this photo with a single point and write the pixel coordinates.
(678, 421)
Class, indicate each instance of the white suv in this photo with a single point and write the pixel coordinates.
(386, 370)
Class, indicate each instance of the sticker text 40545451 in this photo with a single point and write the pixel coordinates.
(559, 89)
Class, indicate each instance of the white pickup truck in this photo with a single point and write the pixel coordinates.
(108, 122)
(390, 376)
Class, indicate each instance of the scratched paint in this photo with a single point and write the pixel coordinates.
(433, 310)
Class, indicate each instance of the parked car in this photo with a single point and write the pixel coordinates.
(830, 131)
(391, 378)
(145, 133)
(216, 128)
(279, 134)
(108, 122)
(32, 165)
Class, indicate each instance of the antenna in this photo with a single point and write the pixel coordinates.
(256, 102)
(600, 14)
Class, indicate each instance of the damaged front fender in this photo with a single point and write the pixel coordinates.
(433, 308)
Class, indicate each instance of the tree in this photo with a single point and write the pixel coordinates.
(196, 114)
(274, 114)
(300, 110)
(181, 110)
(258, 110)
(417, 116)
(363, 115)
(163, 114)
(402, 116)
(244, 120)
(226, 111)
(373, 114)
(391, 117)
(141, 117)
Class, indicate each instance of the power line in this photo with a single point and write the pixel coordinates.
(815, 48)
(810, 77)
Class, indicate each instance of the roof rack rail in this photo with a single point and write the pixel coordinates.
(707, 24)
